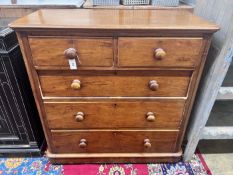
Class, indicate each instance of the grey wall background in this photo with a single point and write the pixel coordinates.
(189, 1)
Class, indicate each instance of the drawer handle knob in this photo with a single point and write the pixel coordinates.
(83, 143)
(153, 85)
(79, 116)
(150, 116)
(76, 84)
(147, 143)
(71, 53)
(160, 54)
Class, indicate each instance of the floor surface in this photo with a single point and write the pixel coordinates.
(218, 154)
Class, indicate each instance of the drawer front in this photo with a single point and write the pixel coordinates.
(145, 52)
(113, 141)
(165, 114)
(92, 52)
(111, 86)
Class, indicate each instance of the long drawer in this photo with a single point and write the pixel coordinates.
(164, 114)
(122, 141)
(91, 52)
(111, 86)
(159, 52)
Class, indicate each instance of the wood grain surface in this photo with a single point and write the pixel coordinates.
(119, 141)
(140, 52)
(73, 158)
(176, 20)
(100, 112)
(123, 114)
(105, 86)
(49, 51)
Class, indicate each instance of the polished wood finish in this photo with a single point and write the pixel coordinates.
(71, 53)
(132, 93)
(159, 52)
(82, 143)
(79, 116)
(162, 20)
(90, 52)
(114, 157)
(121, 114)
(104, 86)
(153, 85)
(120, 141)
(76, 84)
(150, 116)
(147, 143)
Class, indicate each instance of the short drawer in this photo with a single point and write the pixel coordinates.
(112, 86)
(159, 52)
(91, 52)
(120, 141)
(162, 114)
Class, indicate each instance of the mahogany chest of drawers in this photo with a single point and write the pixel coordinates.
(114, 85)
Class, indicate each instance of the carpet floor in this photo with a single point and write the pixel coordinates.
(42, 166)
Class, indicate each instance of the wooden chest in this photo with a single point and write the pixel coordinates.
(114, 85)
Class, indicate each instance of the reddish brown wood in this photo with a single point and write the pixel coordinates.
(118, 114)
(79, 116)
(150, 116)
(159, 52)
(147, 143)
(91, 52)
(76, 84)
(111, 141)
(33, 78)
(82, 143)
(153, 85)
(162, 20)
(71, 53)
(193, 90)
(105, 86)
(114, 157)
(132, 93)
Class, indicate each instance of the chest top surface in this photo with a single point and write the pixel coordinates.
(114, 19)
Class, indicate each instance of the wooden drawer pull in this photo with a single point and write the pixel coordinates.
(150, 116)
(71, 53)
(153, 85)
(147, 143)
(76, 84)
(160, 54)
(83, 143)
(79, 116)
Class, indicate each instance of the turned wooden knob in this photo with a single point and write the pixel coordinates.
(147, 143)
(79, 116)
(159, 54)
(150, 116)
(71, 53)
(153, 85)
(76, 84)
(83, 143)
